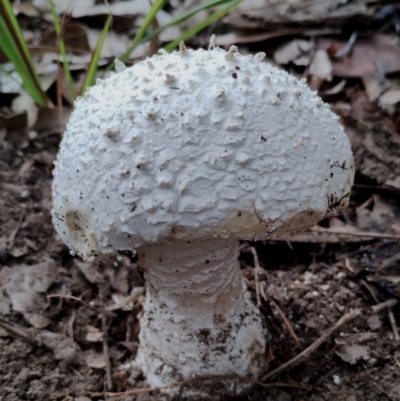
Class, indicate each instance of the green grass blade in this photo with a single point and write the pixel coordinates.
(9, 75)
(155, 8)
(185, 17)
(12, 52)
(56, 22)
(9, 48)
(14, 46)
(12, 31)
(93, 66)
(203, 24)
(63, 52)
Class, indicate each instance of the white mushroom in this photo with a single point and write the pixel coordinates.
(178, 159)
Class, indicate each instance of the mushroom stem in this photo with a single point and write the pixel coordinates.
(198, 316)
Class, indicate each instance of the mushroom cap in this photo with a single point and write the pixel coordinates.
(197, 144)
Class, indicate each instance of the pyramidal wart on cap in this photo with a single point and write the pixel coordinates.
(178, 158)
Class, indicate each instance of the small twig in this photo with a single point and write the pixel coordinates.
(281, 314)
(78, 300)
(365, 204)
(381, 306)
(257, 282)
(270, 355)
(348, 46)
(248, 282)
(200, 378)
(397, 361)
(348, 265)
(389, 262)
(314, 346)
(77, 373)
(355, 233)
(392, 320)
(128, 392)
(15, 332)
(127, 300)
(384, 305)
(67, 398)
(289, 244)
(69, 327)
(370, 290)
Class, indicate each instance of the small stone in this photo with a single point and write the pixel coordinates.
(337, 380)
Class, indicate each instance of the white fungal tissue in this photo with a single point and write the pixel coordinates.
(178, 157)
(197, 144)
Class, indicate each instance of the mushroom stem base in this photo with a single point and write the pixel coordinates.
(198, 317)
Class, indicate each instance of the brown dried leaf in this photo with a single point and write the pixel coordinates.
(93, 334)
(95, 360)
(75, 39)
(389, 98)
(63, 347)
(376, 151)
(18, 251)
(114, 45)
(318, 237)
(52, 121)
(90, 271)
(63, 6)
(353, 353)
(372, 86)
(88, 8)
(15, 123)
(132, 346)
(376, 55)
(275, 14)
(78, 81)
(25, 8)
(26, 287)
(4, 303)
(374, 322)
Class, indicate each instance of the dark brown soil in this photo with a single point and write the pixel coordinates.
(313, 283)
